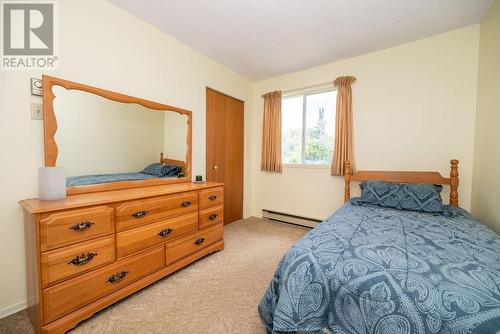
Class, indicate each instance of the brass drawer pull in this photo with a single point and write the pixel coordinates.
(165, 232)
(117, 277)
(80, 260)
(82, 226)
(213, 216)
(139, 214)
(185, 204)
(199, 241)
(212, 198)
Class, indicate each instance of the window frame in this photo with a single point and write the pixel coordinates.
(304, 95)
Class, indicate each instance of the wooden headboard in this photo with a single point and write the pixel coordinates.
(405, 177)
(168, 161)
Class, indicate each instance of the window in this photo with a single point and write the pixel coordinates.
(308, 126)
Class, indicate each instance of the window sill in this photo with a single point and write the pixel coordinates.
(306, 166)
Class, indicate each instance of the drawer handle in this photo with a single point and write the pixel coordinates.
(185, 204)
(212, 198)
(165, 232)
(81, 226)
(199, 241)
(117, 277)
(212, 216)
(139, 214)
(80, 260)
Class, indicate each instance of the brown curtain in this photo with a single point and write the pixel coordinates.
(271, 133)
(343, 146)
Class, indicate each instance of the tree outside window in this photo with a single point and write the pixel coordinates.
(308, 125)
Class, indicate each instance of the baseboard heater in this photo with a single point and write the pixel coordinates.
(290, 219)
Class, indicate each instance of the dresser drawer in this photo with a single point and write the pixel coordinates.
(137, 213)
(67, 262)
(211, 197)
(180, 249)
(66, 297)
(68, 227)
(211, 216)
(139, 238)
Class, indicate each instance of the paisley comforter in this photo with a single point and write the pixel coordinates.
(369, 269)
(84, 180)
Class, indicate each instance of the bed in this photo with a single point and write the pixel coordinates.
(372, 269)
(83, 180)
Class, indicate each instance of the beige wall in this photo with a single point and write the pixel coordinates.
(103, 46)
(176, 128)
(486, 183)
(414, 109)
(96, 135)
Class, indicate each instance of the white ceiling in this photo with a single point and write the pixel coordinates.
(264, 38)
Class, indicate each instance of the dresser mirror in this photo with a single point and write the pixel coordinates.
(106, 140)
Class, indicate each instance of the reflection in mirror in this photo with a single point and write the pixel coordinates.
(100, 140)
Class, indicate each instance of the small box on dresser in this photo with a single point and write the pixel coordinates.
(116, 242)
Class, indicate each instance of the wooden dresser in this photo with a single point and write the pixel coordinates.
(90, 250)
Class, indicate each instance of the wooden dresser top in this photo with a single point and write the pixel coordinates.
(35, 205)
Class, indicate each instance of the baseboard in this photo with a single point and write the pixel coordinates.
(290, 218)
(9, 310)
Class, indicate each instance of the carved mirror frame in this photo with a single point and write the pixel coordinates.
(50, 129)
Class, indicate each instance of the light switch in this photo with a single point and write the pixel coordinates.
(36, 111)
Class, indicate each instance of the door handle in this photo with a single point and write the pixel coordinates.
(216, 167)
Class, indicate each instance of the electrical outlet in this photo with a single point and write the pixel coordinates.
(36, 111)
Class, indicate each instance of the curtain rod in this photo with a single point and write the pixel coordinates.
(294, 90)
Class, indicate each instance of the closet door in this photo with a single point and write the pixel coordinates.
(224, 138)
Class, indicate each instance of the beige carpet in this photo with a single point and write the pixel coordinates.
(216, 294)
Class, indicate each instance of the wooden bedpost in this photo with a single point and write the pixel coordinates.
(161, 157)
(347, 178)
(454, 183)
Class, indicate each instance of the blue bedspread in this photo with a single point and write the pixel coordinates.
(83, 180)
(369, 269)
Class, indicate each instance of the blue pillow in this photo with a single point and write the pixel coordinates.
(415, 197)
(155, 169)
(171, 170)
(161, 170)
